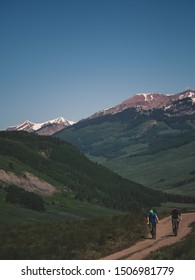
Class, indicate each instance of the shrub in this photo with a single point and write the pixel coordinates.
(26, 199)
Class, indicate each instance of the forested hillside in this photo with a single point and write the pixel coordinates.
(66, 167)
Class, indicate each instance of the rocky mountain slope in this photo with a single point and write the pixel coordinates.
(148, 101)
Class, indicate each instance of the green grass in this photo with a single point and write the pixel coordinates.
(58, 208)
(160, 170)
(86, 239)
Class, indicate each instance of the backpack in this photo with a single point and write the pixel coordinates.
(175, 214)
(151, 217)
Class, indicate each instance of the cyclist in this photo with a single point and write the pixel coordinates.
(152, 219)
(175, 214)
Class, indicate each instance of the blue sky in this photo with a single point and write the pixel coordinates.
(72, 58)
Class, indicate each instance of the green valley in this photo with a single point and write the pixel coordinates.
(147, 147)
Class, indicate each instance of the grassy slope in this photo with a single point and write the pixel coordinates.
(163, 170)
(158, 154)
(86, 239)
(58, 208)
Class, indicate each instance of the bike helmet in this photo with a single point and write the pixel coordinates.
(151, 211)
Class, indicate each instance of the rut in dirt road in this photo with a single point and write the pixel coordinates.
(164, 238)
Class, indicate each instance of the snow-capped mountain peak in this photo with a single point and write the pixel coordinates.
(45, 128)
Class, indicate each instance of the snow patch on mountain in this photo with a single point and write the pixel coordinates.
(147, 96)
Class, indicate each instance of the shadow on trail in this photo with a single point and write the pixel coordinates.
(148, 238)
(168, 235)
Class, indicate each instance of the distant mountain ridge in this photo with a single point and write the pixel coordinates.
(46, 128)
(148, 101)
(145, 101)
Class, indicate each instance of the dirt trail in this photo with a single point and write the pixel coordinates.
(164, 238)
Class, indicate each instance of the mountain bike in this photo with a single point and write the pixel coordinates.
(175, 223)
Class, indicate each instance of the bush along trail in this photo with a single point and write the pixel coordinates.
(164, 238)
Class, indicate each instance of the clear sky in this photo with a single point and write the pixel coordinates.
(72, 58)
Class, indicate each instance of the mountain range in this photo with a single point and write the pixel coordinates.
(45, 128)
(148, 101)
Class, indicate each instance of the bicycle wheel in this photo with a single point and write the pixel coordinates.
(175, 227)
(153, 231)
